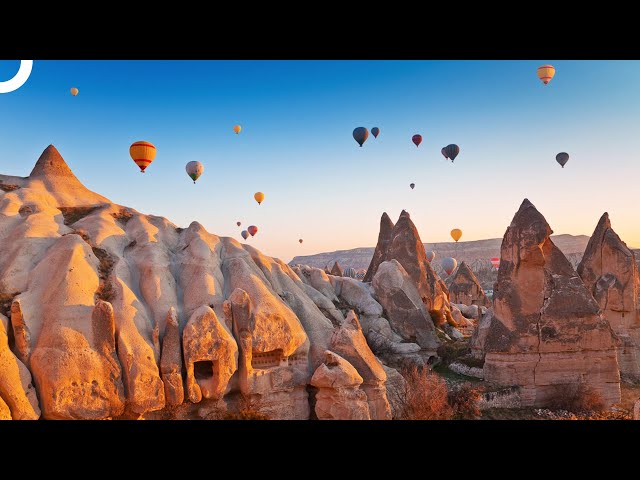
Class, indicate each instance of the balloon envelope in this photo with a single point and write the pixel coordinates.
(451, 151)
(194, 170)
(238, 223)
(300, 240)
(244, 234)
(259, 196)
(495, 261)
(417, 139)
(237, 129)
(375, 131)
(546, 73)
(449, 264)
(74, 91)
(349, 272)
(252, 230)
(360, 135)
(444, 152)
(562, 158)
(456, 233)
(412, 185)
(431, 255)
(142, 154)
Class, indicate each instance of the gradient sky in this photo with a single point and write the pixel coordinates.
(297, 118)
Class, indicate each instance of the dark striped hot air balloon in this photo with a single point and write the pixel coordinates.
(360, 135)
(142, 154)
(375, 131)
(562, 158)
(349, 272)
(417, 139)
(244, 234)
(412, 185)
(451, 151)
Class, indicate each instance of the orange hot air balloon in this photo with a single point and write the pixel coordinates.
(546, 73)
(456, 233)
(142, 153)
(259, 196)
(252, 230)
(74, 91)
(237, 129)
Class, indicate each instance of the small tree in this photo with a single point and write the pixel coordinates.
(423, 396)
(464, 399)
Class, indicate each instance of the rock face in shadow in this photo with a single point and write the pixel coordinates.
(384, 237)
(339, 396)
(610, 272)
(401, 300)
(465, 288)
(402, 243)
(336, 270)
(171, 361)
(547, 330)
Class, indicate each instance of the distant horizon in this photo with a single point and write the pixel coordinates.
(296, 143)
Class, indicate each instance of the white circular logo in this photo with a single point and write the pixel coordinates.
(19, 79)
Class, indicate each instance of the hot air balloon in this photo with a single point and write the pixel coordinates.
(451, 151)
(431, 255)
(259, 196)
(300, 240)
(349, 272)
(252, 230)
(237, 129)
(562, 158)
(244, 234)
(142, 153)
(238, 223)
(360, 135)
(412, 185)
(194, 170)
(456, 233)
(361, 273)
(449, 264)
(546, 73)
(375, 131)
(74, 91)
(443, 151)
(495, 261)
(417, 139)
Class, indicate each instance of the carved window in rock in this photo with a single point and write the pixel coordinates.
(271, 359)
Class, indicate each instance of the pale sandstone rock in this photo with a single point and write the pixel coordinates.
(357, 296)
(396, 388)
(5, 413)
(349, 342)
(16, 387)
(171, 361)
(210, 355)
(547, 330)
(400, 298)
(339, 396)
(610, 272)
(466, 289)
(336, 270)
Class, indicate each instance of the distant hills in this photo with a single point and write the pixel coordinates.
(470, 252)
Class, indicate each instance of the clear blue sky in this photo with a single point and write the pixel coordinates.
(296, 143)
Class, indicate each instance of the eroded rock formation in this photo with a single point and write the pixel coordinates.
(466, 289)
(610, 272)
(547, 331)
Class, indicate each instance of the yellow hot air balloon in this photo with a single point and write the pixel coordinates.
(259, 196)
(546, 73)
(456, 233)
(74, 91)
(142, 153)
(237, 129)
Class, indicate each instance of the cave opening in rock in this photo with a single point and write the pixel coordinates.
(203, 370)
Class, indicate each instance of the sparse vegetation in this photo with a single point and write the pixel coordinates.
(578, 398)
(422, 397)
(122, 216)
(249, 409)
(73, 214)
(451, 351)
(8, 187)
(463, 399)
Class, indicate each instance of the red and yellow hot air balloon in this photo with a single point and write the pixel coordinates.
(495, 261)
(237, 129)
(546, 73)
(142, 153)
